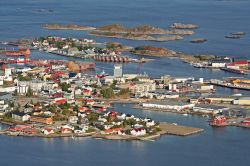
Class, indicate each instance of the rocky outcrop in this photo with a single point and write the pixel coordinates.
(142, 32)
(183, 26)
(67, 27)
(153, 51)
(181, 32)
(198, 40)
(143, 29)
(132, 36)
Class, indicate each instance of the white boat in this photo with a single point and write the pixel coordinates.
(237, 94)
(185, 114)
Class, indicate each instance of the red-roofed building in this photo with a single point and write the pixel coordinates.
(113, 131)
(60, 101)
(246, 122)
(48, 131)
(86, 92)
(66, 130)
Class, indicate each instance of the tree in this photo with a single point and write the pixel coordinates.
(65, 86)
(107, 92)
(113, 84)
(15, 93)
(29, 92)
(135, 79)
(75, 109)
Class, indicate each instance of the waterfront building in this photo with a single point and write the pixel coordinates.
(246, 122)
(166, 79)
(138, 132)
(161, 94)
(7, 89)
(20, 116)
(5, 96)
(219, 63)
(209, 109)
(140, 88)
(169, 105)
(242, 101)
(73, 51)
(41, 119)
(117, 70)
(3, 107)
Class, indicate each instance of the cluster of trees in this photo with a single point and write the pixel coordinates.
(114, 46)
(93, 117)
(29, 92)
(65, 86)
(107, 92)
(20, 77)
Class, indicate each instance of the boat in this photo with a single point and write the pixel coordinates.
(198, 40)
(185, 114)
(102, 74)
(237, 94)
(233, 36)
(238, 33)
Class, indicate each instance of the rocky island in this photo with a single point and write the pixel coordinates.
(183, 26)
(67, 27)
(141, 32)
(153, 51)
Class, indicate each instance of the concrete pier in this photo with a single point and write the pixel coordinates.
(178, 130)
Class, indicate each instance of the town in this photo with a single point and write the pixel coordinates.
(50, 98)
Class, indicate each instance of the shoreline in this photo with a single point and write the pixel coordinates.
(165, 129)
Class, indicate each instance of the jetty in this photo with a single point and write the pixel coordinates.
(228, 85)
(178, 130)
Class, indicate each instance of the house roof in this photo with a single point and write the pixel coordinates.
(19, 113)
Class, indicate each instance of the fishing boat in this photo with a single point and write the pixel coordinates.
(102, 75)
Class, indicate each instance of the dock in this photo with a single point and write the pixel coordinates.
(229, 85)
(178, 130)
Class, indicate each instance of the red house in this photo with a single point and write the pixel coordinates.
(246, 122)
(219, 121)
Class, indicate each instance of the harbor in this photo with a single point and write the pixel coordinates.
(225, 145)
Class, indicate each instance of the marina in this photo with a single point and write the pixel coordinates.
(219, 145)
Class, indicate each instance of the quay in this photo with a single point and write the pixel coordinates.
(228, 85)
(178, 130)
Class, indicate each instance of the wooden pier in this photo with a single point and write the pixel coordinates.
(173, 129)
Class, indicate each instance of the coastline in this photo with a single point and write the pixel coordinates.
(165, 129)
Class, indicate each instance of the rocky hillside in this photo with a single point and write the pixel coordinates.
(153, 51)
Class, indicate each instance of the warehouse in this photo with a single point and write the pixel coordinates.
(242, 101)
(209, 109)
(169, 105)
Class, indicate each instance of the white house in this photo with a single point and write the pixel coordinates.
(138, 132)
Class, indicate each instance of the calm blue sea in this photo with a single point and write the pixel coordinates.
(216, 18)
